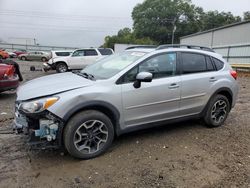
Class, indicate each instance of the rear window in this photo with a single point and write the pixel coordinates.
(219, 64)
(106, 51)
(62, 53)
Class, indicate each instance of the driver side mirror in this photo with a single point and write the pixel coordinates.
(142, 77)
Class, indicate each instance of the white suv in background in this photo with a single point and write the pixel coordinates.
(77, 60)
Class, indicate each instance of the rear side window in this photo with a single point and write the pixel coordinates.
(90, 53)
(210, 66)
(105, 51)
(193, 63)
(219, 64)
(62, 53)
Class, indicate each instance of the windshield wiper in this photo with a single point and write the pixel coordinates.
(86, 75)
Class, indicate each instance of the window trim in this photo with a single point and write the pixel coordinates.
(178, 55)
(90, 50)
(215, 63)
(196, 53)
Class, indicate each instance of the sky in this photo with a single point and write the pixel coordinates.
(80, 23)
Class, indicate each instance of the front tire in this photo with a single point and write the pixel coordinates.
(44, 59)
(61, 67)
(217, 111)
(88, 134)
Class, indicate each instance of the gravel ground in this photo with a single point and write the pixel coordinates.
(179, 155)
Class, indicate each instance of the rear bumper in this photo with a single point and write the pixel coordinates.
(9, 84)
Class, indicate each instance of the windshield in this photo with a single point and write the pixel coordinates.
(111, 65)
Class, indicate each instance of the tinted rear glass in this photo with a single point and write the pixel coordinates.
(90, 53)
(219, 64)
(193, 63)
(62, 53)
(105, 51)
(210, 66)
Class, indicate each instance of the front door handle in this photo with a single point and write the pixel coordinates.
(173, 86)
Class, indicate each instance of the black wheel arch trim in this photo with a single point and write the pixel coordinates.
(223, 89)
(93, 104)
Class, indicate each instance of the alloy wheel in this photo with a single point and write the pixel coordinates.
(91, 136)
(219, 111)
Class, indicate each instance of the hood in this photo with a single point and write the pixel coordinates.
(49, 85)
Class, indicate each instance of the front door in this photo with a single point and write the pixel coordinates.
(76, 60)
(154, 101)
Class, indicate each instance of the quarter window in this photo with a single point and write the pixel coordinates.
(193, 63)
(219, 64)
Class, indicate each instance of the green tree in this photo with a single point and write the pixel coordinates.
(156, 19)
(246, 15)
(213, 19)
(125, 36)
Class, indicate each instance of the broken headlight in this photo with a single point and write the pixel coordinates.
(39, 105)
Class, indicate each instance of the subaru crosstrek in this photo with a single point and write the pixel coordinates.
(139, 88)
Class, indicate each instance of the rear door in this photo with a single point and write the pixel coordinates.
(155, 101)
(198, 76)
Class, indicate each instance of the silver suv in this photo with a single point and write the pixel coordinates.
(139, 88)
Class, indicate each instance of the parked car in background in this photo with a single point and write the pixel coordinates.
(20, 51)
(11, 53)
(9, 75)
(77, 60)
(3, 54)
(40, 56)
(139, 88)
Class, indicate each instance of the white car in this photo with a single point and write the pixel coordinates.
(77, 60)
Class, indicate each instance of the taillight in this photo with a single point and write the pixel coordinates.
(233, 74)
(9, 72)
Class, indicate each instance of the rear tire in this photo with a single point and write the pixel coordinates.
(217, 111)
(23, 58)
(61, 67)
(88, 134)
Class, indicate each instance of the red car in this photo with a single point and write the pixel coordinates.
(8, 77)
(20, 52)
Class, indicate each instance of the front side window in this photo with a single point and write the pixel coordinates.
(78, 53)
(193, 63)
(160, 66)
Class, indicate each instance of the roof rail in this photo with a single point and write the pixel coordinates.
(141, 46)
(184, 46)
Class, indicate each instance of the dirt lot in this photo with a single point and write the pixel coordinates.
(179, 155)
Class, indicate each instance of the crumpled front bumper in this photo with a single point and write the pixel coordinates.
(43, 130)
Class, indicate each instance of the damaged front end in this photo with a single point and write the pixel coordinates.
(44, 129)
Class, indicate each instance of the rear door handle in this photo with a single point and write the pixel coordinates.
(212, 79)
(173, 86)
